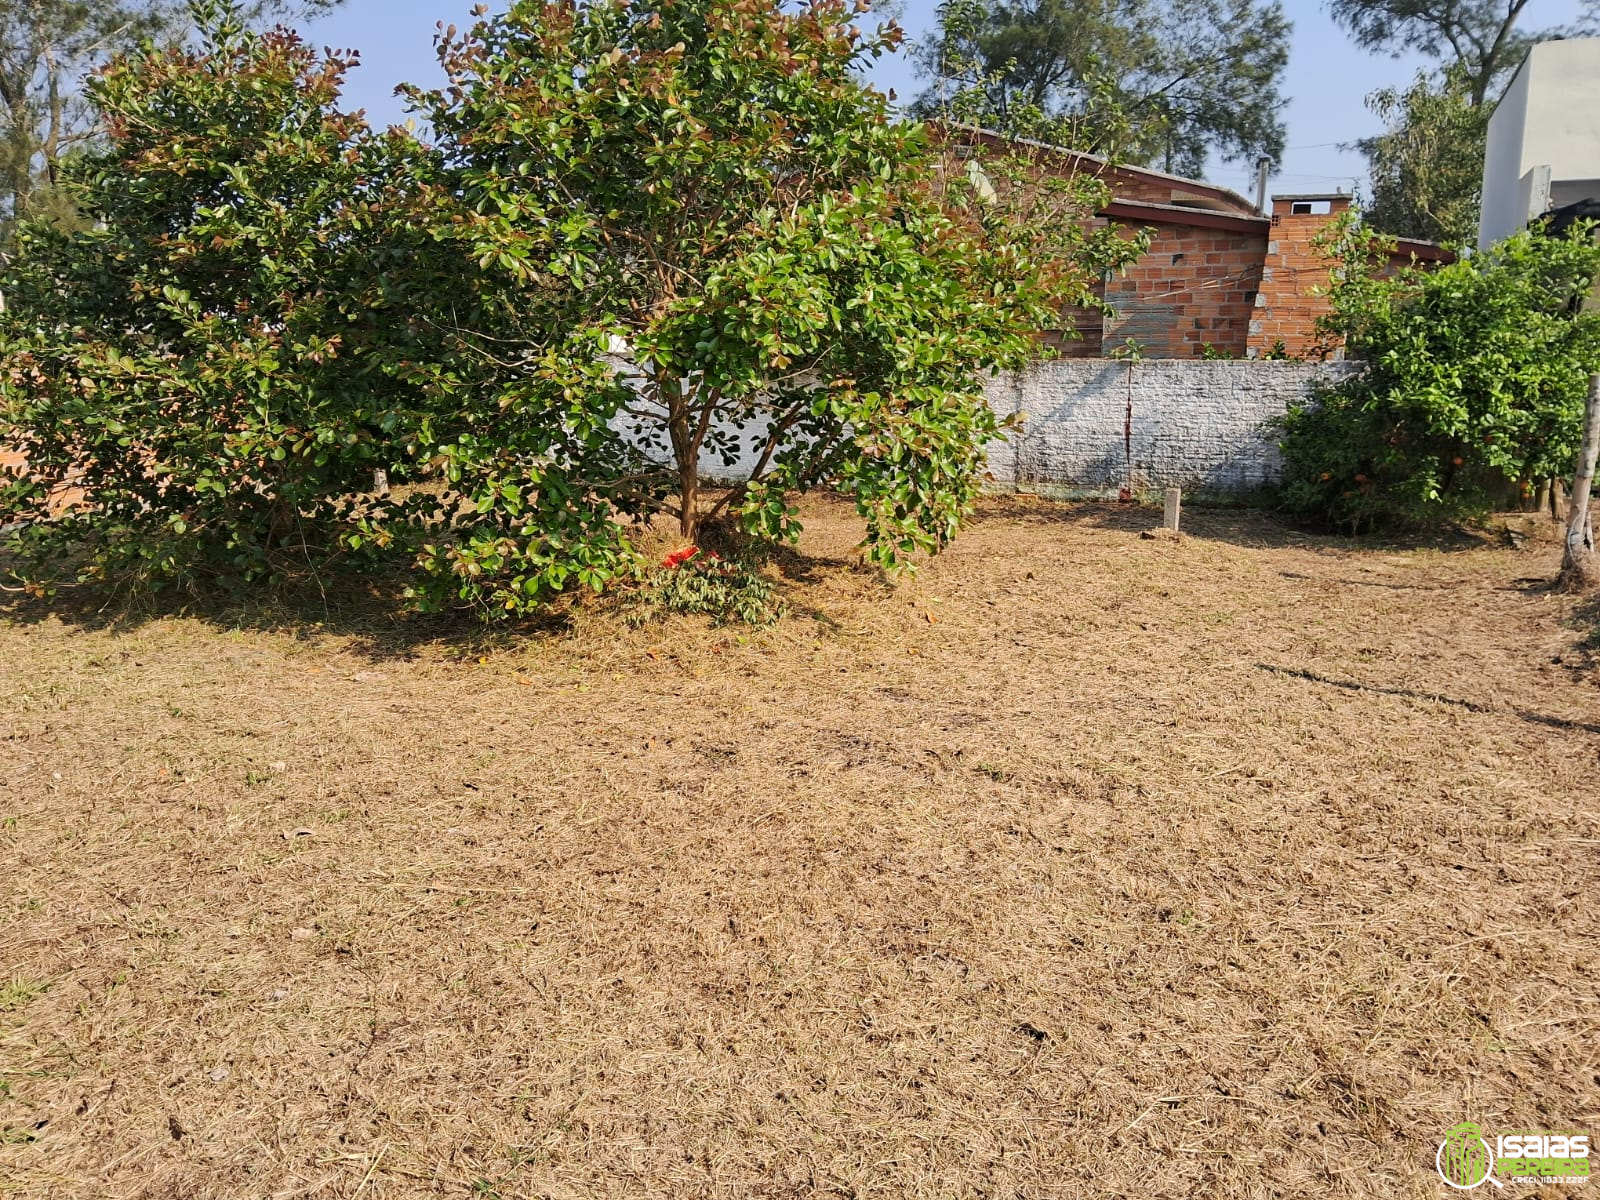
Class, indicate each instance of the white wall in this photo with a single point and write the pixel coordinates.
(1549, 117)
(1502, 163)
(1196, 424)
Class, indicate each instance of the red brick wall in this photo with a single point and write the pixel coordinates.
(1287, 309)
(1194, 287)
(1147, 188)
(1078, 335)
(1129, 185)
(1294, 272)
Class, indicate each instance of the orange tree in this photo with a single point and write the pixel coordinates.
(1471, 383)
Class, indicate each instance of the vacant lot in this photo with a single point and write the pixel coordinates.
(1080, 865)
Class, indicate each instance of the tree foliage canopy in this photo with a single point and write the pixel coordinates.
(652, 239)
(1427, 166)
(47, 50)
(1162, 82)
(219, 358)
(1479, 36)
(789, 280)
(1472, 381)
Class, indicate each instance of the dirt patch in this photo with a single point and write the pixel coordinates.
(1078, 865)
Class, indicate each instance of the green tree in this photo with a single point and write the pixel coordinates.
(1472, 381)
(1163, 82)
(1478, 36)
(47, 50)
(223, 353)
(649, 240)
(1427, 166)
(791, 283)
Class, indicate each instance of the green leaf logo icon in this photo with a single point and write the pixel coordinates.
(1464, 1159)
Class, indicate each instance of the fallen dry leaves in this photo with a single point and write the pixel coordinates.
(1064, 894)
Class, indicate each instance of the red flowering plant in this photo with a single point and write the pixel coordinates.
(695, 580)
(678, 557)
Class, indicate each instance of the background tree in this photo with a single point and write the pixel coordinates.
(1472, 384)
(1427, 166)
(47, 49)
(1480, 37)
(1162, 82)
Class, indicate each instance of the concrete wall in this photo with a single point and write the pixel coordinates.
(1502, 163)
(1549, 117)
(1196, 425)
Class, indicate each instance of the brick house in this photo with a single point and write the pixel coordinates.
(1219, 273)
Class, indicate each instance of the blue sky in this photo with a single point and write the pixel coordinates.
(1326, 81)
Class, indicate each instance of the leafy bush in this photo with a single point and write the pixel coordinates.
(700, 582)
(1471, 385)
(219, 362)
(652, 236)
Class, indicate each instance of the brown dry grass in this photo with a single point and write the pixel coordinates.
(1023, 879)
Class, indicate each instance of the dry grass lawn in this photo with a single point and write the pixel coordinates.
(1067, 869)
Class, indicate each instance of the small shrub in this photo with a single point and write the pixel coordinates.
(698, 582)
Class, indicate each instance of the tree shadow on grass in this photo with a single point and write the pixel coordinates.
(1249, 528)
(796, 567)
(1584, 620)
(368, 612)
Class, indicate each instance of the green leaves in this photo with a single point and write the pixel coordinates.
(1166, 82)
(1427, 165)
(783, 277)
(1472, 385)
(653, 238)
(210, 366)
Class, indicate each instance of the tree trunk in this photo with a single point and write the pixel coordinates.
(689, 493)
(685, 453)
(1580, 565)
(51, 146)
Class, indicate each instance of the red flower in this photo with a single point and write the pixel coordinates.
(678, 557)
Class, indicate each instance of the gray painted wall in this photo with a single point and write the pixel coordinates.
(1196, 424)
